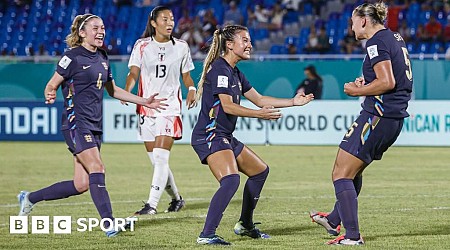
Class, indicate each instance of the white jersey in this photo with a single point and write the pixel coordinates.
(161, 65)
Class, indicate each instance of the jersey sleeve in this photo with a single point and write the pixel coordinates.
(67, 65)
(220, 80)
(246, 86)
(136, 58)
(377, 51)
(187, 64)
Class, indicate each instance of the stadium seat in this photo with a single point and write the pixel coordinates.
(423, 47)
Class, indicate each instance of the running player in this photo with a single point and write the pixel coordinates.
(83, 73)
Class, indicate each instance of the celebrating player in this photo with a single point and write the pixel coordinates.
(83, 72)
(159, 60)
(220, 89)
(387, 85)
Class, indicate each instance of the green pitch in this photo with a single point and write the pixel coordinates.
(404, 203)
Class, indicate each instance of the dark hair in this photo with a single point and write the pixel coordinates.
(377, 12)
(149, 29)
(313, 71)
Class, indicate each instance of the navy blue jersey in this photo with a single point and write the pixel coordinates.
(387, 45)
(85, 74)
(212, 120)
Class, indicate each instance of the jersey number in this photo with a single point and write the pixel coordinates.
(408, 63)
(160, 71)
(99, 81)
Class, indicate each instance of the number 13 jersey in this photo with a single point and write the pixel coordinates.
(161, 65)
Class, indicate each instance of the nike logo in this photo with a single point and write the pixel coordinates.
(86, 67)
(344, 140)
(233, 86)
(101, 186)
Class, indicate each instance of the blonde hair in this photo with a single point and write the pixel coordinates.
(377, 12)
(74, 39)
(216, 49)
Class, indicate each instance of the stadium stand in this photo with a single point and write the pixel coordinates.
(39, 27)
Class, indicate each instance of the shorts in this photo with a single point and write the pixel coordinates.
(370, 136)
(218, 144)
(80, 139)
(150, 127)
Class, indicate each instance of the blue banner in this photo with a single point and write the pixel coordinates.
(30, 121)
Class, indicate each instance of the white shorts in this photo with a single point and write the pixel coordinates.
(151, 127)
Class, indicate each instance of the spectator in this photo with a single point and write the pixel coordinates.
(349, 44)
(433, 29)
(447, 33)
(233, 15)
(276, 21)
(312, 84)
(209, 22)
(405, 31)
(194, 38)
(262, 16)
(313, 41)
(421, 34)
(183, 23)
(323, 45)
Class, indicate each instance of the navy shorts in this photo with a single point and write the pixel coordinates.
(370, 136)
(80, 139)
(218, 144)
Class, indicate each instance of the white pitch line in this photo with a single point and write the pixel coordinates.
(362, 197)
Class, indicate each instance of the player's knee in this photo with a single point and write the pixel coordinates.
(231, 182)
(81, 185)
(161, 157)
(95, 167)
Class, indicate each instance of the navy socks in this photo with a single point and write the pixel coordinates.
(348, 207)
(59, 190)
(219, 202)
(252, 190)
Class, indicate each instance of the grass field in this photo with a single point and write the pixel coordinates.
(404, 203)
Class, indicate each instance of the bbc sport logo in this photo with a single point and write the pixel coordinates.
(63, 224)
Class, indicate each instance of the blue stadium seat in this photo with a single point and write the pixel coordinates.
(291, 40)
(411, 48)
(423, 47)
(436, 47)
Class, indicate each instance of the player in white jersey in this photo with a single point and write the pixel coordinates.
(158, 60)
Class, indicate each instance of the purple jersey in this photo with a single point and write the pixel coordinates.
(387, 45)
(85, 74)
(212, 120)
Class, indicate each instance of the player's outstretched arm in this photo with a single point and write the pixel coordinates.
(51, 87)
(119, 93)
(261, 101)
(231, 108)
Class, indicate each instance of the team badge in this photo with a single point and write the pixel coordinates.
(161, 56)
(225, 141)
(88, 138)
(105, 65)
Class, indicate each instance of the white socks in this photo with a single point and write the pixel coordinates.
(162, 177)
